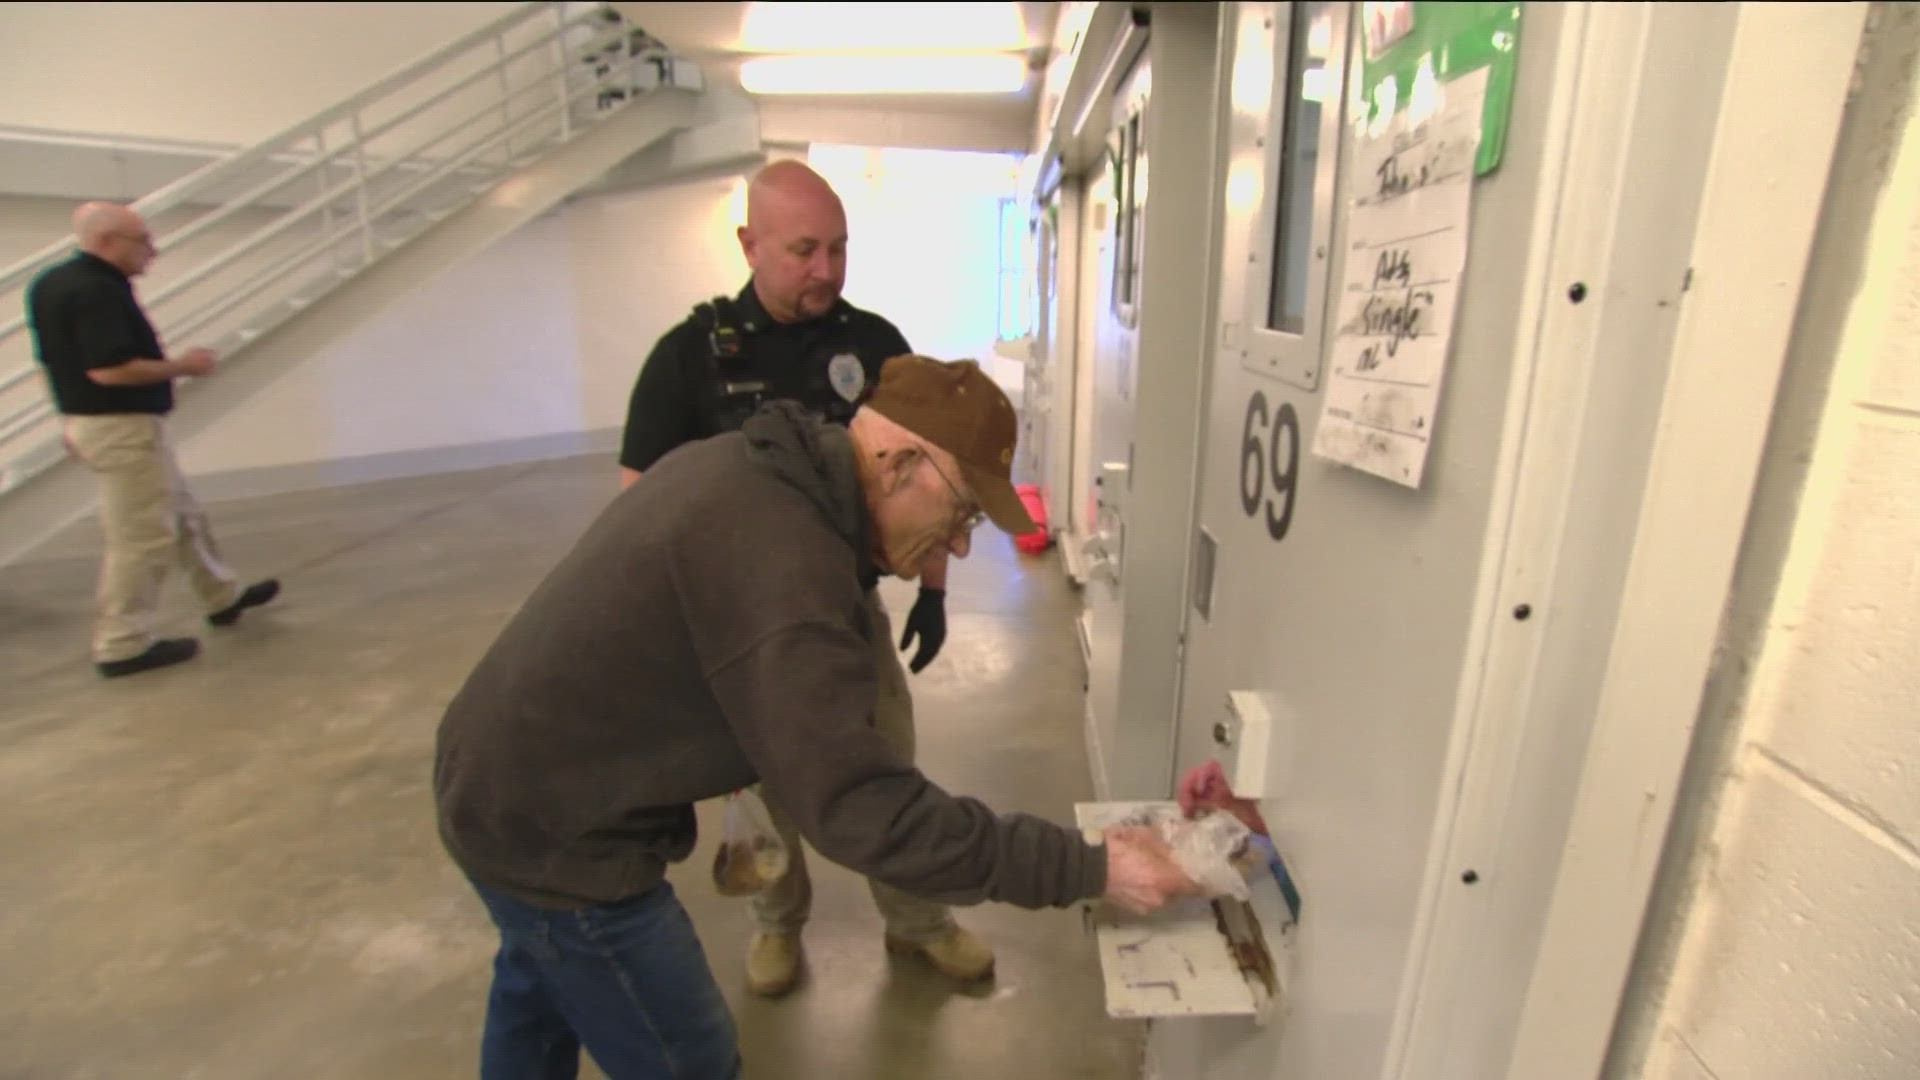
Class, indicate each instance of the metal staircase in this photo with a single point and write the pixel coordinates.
(253, 239)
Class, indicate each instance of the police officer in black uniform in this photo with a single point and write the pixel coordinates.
(708, 374)
(790, 334)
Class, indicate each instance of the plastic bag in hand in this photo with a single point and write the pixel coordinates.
(1206, 848)
(752, 856)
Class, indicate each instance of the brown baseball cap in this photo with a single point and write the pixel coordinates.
(956, 407)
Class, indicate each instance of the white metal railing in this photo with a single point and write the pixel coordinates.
(251, 239)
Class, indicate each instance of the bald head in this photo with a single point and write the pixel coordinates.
(795, 240)
(115, 233)
(786, 189)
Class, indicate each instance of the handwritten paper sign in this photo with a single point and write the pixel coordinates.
(1407, 234)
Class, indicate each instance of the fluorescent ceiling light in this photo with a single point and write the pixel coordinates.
(841, 28)
(936, 74)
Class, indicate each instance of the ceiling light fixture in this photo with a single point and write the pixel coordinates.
(980, 73)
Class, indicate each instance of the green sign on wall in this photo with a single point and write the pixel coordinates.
(1448, 40)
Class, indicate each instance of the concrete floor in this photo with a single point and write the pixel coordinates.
(228, 868)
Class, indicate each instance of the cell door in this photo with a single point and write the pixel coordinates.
(1036, 402)
(1115, 357)
(1337, 601)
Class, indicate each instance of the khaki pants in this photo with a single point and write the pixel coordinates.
(785, 905)
(151, 523)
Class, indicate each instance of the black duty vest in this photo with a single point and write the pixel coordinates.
(741, 380)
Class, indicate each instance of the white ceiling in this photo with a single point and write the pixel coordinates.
(710, 34)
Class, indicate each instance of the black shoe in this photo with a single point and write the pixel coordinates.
(258, 593)
(159, 654)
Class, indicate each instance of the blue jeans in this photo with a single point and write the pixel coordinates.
(629, 982)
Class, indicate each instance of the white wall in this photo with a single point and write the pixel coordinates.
(484, 352)
(637, 264)
(923, 245)
(1784, 940)
(232, 73)
(541, 336)
(29, 224)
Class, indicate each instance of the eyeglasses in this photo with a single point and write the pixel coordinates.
(966, 520)
(144, 239)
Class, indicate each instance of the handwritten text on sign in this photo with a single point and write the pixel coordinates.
(1407, 244)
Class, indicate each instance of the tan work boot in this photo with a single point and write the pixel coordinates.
(773, 963)
(957, 953)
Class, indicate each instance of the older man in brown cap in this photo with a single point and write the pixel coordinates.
(789, 333)
(670, 658)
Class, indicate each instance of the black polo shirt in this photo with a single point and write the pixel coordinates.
(83, 316)
(680, 395)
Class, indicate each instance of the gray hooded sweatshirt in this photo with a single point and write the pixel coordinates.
(706, 632)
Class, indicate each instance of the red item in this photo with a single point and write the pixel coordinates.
(1035, 542)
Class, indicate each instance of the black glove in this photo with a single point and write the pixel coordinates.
(928, 619)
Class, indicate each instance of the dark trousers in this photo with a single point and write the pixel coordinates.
(628, 982)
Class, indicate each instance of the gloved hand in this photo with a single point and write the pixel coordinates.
(929, 620)
(1205, 787)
